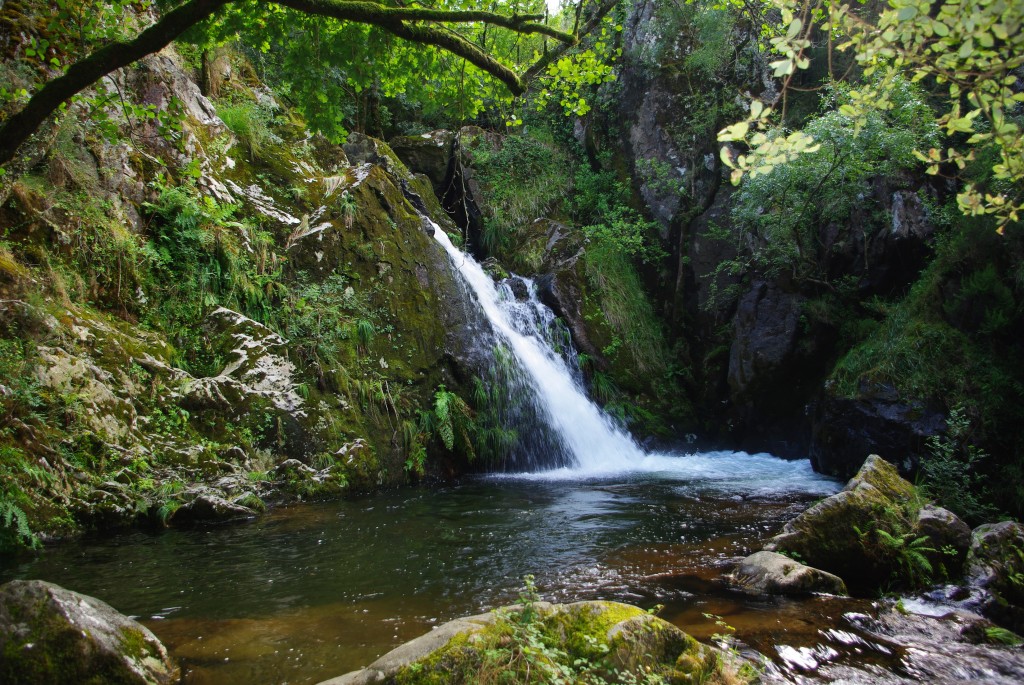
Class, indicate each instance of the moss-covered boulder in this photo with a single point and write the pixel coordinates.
(862, 534)
(536, 642)
(429, 154)
(995, 569)
(768, 573)
(52, 636)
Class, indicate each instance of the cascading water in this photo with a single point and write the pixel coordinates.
(592, 440)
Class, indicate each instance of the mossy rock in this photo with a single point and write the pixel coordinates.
(527, 644)
(52, 636)
(995, 565)
(841, 535)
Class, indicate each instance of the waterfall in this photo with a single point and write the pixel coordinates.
(590, 438)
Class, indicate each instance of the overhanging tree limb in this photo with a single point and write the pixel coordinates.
(80, 75)
(598, 15)
(413, 24)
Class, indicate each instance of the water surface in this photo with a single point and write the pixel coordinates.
(311, 591)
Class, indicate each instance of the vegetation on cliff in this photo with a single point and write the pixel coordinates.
(147, 206)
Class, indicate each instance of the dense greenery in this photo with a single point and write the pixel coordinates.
(815, 165)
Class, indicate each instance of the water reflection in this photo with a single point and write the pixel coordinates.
(311, 591)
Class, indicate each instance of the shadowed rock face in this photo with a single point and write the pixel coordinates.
(52, 636)
(877, 421)
(995, 569)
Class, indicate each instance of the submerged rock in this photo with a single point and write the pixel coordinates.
(768, 573)
(52, 636)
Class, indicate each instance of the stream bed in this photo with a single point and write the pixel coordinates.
(311, 591)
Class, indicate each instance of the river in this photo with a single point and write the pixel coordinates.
(313, 590)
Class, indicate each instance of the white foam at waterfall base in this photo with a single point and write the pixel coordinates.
(599, 447)
(721, 471)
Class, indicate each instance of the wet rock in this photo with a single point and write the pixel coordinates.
(840, 533)
(211, 508)
(519, 288)
(876, 421)
(995, 571)
(942, 647)
(52, 636)
(635, 642)
(947, 535)
(768, 573)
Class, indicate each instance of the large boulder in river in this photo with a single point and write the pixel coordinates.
(847, 533)
(52, 636)
(608, 636)
(995, 570)
(768, 573)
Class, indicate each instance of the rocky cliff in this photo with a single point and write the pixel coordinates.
(197, 317)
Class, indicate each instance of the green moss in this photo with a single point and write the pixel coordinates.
(134, 644)
(592, 643)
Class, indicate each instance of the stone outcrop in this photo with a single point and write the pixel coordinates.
(52, 636)
(768, 573)
(876, 421)
(995, 571)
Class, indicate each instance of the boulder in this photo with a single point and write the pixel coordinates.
(429, 154)
(947, 535)
(52, 636)
(768, 573)
(840, 533)
(615, 638)
(995, 571)
(211, 508)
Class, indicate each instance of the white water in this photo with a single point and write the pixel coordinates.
(598, 446)
(594, 441)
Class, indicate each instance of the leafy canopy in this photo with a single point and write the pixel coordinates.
(969, 50)
(328, 45)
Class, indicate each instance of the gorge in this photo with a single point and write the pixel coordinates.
(313, 339)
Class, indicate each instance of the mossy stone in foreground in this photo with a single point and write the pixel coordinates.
(52, 636)
(586, 642)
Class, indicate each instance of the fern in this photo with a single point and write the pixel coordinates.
(15, 520)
